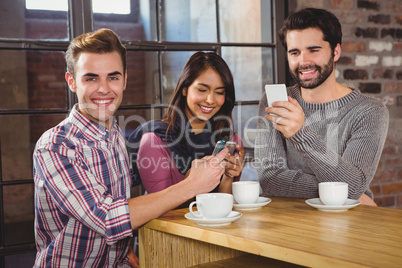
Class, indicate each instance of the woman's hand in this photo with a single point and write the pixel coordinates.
(235, 163)
(234, 167)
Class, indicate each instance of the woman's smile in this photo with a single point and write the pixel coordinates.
(204, 98)
(206, 109)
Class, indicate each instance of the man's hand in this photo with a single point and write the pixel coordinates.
(133, 259)
(365, 200)
(187, 173)
(206, 173)
(288, 121)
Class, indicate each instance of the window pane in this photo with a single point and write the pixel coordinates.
(245, 123)
(188, 21)
(129, 120)
(20, 260)
(18, 135)
(245, 21)
(32, 80)
(118, 7)
(172, 65)
(142, 78)
(59, 5)
(44, 20)
(18, 213)
(252, 68)
(11, 17)
(135, 20)
(249, 172)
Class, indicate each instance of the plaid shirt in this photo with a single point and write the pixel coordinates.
(82, 182)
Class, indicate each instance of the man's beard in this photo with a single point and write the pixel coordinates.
(323, 73)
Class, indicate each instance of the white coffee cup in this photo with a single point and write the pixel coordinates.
(246, 192)
(212, 205)
(333, 193)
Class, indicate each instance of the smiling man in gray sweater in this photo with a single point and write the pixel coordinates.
(327, 132)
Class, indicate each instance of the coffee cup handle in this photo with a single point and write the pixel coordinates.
(194, 213)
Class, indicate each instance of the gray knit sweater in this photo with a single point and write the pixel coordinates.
(340, 140)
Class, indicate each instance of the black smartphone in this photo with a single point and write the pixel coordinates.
(230, 144)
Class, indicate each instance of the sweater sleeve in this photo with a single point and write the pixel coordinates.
(356, 164)
(155, 164)
(238, 140)
(275, 177)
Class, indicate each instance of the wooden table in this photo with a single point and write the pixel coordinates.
(286, 229)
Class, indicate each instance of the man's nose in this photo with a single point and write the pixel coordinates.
(304, 59)
(103, 87)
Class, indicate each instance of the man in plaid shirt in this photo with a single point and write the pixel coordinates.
(84, 216)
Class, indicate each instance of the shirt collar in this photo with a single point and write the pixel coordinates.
(89, 127)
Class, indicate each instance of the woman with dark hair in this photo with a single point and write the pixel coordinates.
(199, 115)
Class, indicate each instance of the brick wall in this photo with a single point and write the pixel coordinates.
(371, 61)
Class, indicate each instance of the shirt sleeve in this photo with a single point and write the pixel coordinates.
(79, 194)
(157, 169)
(238, 140)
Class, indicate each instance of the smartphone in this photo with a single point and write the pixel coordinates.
(230, 144)
(276, 92)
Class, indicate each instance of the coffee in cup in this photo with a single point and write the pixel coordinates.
(333, 193)
(246, 192)
(212, 205)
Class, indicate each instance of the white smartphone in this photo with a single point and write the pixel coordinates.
(276, 92)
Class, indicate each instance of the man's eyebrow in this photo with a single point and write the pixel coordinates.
(96, 75)
(91, 75)
(114, 73)
(314, 47)
(309, 48)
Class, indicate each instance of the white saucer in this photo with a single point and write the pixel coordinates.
(233, 215)
(316, 203)
(261, 201)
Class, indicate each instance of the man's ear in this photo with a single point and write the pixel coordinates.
(125, 81)
(337, 52)
(71, 81)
